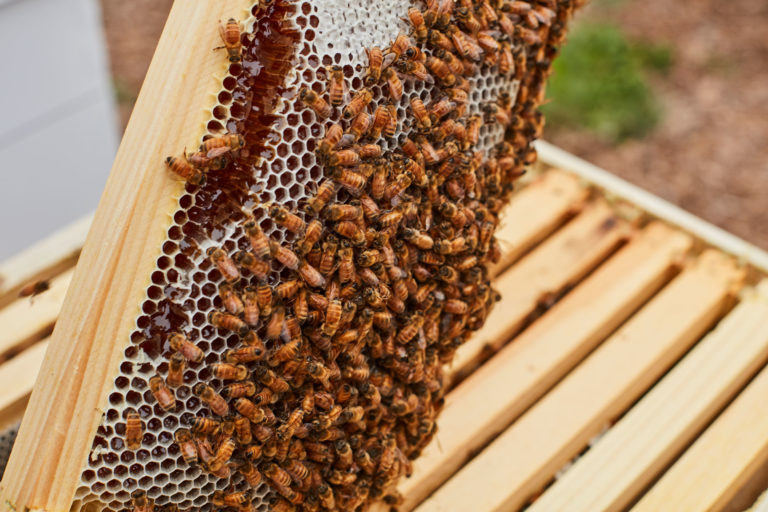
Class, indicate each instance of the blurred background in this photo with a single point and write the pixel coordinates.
(668, 95)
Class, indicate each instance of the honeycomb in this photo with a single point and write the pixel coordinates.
(287, 47)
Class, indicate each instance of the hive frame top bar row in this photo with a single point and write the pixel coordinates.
(654, 205)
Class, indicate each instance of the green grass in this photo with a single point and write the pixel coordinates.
(599, 84)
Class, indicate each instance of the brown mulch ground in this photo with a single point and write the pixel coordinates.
(709, 154)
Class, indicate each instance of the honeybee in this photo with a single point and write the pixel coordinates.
(140, 501)
(330, 246)
(397, 187)
(336, 85)
(440, 40)
(35, 288)
(420, 239)
(358, 127)
(359, 102)
(333, 136)
(420, 112)
(258, 240)
(344, 157)
(205, 426)
(184, 170)
(230, 35)
(223, 454)
(275, 324)
(217, 146)
(249, 410)
(229, 371)
(441, 70)
(332, 318)
(183, 438)
(319, 372)
(381, 119)
(351, 231)
(224, 263)
(350, 180)
(176, 366)
(416, 18)
(391, 128)
(134, 430)
(394, 83)
(238, 389)
(231, 300)
(324, 194)
(272, 381)
(203, 162)
(181, 344)
(315, 102)
(214, 400)
(338, 212)
(463, 44)
(375, 61)
(325, 494)
(417, 70)
(228, 322)
(284, 255)
(367, 151)
(441, 109)
(468, 20)
(249, 261)
(250, 473)
(311, 275)
(164, 396)
(286, 219)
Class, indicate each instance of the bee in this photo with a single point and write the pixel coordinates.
(224, 263)
(440, 40)
(359, 102)
(441, 70)
(350, 180)
(418, 238)
(272, 381)
(391, 128)
(181, 344)
(336, 85)
(217, 146)
(34, 289)
(417, 70)
(381, 119)
(332, 318)
(455, 306)
(324, 194)
(203, 162)
(162, 394)
(140, 501)
(205, 426)
(223, 454)
(228, 371)
(311, 275)
(358, 127)
(230, 35)
(319, 372)
(394, 83)
(134, 430)
(214, 400)
(337, 212)
(284, 255)
(249, 410)
(344, 157)
(330, 246)
(228, 322)
(420, 30)
(231, 300)
(333, 136)
(420, 112)
(399, 185)
(254, 451)
(351, 231)
(286, 219)
(277, 474)
(286, 352)
(251, 306)
(230, 498)
(276, 321)
(183, 438)
(258, 240)
(468, 20)
(185, 171)
(176, 366)
(315, 102)
(441, 109)
(327, 499)
(238, 389)
(285, 431)
(249, 472)
(375, 61)
(367, 151)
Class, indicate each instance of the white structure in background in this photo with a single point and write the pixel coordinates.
(58, 129)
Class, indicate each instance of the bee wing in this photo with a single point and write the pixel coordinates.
(216, 152)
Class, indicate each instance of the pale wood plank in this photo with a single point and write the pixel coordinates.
(709, 473)
(17, 377)
(118, 257)
(526, 455)
(26, 321)
(535, 212)
(42, 261)
(561, 261)
(522, 371)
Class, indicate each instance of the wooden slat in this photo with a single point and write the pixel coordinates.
(42, 261)
(17, 377)
(656, 429)
(26, 321)
(535, 212)
(526, 455)
(524, 370)
(721, 461)
(119, 255)
(561, 261)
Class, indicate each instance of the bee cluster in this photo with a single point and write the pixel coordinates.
(331, 378)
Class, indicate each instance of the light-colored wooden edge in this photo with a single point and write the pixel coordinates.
(527, 454)
(536, 211)
(632, 453)
(17, 377)
(28, 320)
(559, 262)
(489, 399)
(120, 252)
(47, 258)
(653, 205)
